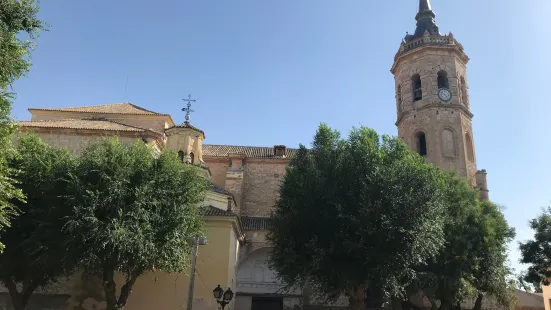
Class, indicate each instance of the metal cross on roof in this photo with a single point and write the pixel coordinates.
(188, 110)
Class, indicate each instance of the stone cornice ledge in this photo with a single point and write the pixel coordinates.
(429, 106)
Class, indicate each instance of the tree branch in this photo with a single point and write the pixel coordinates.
(126, 289)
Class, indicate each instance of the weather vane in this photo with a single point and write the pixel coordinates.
(188, 110)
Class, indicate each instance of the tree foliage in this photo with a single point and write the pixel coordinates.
(17, 17)
(537, 251)
(355, 213)
(132, 213)
(35, 253)
(472, 263)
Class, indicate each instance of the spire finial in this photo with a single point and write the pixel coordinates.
(188, 109)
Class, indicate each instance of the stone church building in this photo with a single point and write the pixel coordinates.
(433, 118)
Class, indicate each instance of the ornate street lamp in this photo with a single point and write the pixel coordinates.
(223, 298)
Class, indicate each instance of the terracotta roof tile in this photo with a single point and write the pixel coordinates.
(188, 125)
(94, 124)
(256, 223)
(115, 108)
(214, 211)
(249, 151)
(219, 190)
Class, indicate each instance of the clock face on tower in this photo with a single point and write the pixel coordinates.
(444, 94)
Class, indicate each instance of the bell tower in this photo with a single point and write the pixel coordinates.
(432, 99)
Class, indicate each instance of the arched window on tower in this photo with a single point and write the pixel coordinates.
(416, 87)
(192, 158)
(443, 80)
(181, 155)
(399, 98)
(421, 143)
(469, 147)
(448, 143)
(463, 90)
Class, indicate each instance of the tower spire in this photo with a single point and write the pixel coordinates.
(425, 21)
(424, 5)
(425, 11)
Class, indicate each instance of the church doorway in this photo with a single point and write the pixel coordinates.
(267, 303)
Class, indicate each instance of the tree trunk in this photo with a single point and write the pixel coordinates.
(110, 287)
(17, 299)
(126, 289)
(457, 306)
(478, 302)
(356, 298)
(433, 304)
(445, 305)
(396, 303)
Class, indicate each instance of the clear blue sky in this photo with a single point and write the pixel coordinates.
(268, 72)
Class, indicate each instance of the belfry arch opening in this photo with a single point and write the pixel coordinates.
(416, 87)
(443, 80)
(192, 158)
(181, 155)
(421, 143)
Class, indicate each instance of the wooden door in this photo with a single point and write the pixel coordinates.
(260, 303)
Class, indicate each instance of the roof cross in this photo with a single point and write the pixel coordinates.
(188, 109)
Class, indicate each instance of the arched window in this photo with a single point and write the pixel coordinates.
(469, 147)
(463, 90)
(443, 80)
(421, 143)
(192, 158)
(181, 155)
(416, 87)
(448, 143)
(399, 98)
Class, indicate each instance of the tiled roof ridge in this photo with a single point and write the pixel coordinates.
(256, 222)
(86, 119)
(263, 152)
(210, 210)
(250, 146)
(73, 109)
(115, 122)
(143, 109)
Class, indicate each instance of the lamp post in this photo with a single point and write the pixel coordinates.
(223, 298)
(196, 243)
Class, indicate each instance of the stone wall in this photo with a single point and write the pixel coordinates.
(254, 183)
(444, 124)
(75, 141)
(218, 168)
(261, 181)
(445, 137)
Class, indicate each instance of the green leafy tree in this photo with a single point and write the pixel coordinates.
(523, 285)
(537, 251)
(472, 263)
(35, 254)
(444, 278)
(356, 213)
(491, 277)
(17, 17)
(132, 213)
